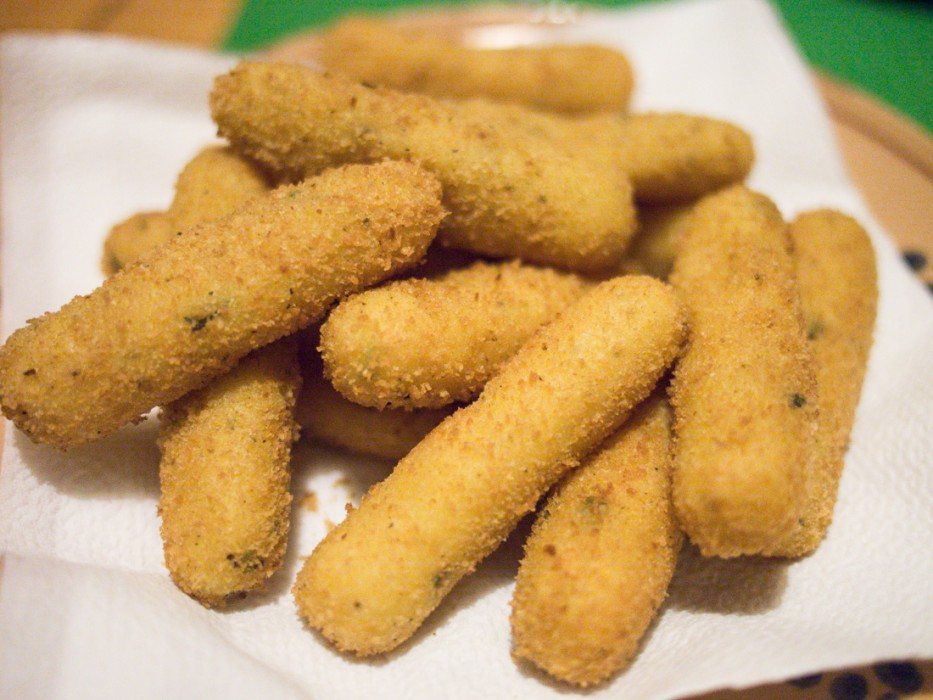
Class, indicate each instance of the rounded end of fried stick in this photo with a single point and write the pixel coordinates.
(677, 157)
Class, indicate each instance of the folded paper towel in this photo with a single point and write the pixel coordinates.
(93, 130)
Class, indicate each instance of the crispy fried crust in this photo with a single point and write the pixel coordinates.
(373, 580)
(601, 555)
(215, 183)
(510, 194)
(225, 473)
(132, 238)
(569, 79)
(835, 266)
(656, 241)
(744, 394)
(374, 343)
(389, 434)
(169, 324)
(675, 157)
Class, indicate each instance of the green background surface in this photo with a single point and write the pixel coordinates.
(883, 46)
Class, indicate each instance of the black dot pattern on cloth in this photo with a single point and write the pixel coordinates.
(904, 677)
(849, 686)
(915, 260)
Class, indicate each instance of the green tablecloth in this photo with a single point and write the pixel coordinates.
(882, 46)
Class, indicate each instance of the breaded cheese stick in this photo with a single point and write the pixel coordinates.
(453, 499)
(570, 79)
(655, 244)
(132, 238)
(744, 394)
(225, 474)
(388, 434)
(472, 320)
(510, 194)
(213, 184)
(600, 556)
(166, 326)
(676, 157)
(836, 272)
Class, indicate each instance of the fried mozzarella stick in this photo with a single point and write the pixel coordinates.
(225, 474)
(510, 194)
(453, 499)
(188, 313)
(744, 393)
(656, 241)
(835, 266)
(600, 556)
(212, 185)
(132, 238)
(215, 183)
(570, 79)
(388, 434)
(670, 157)
(472, 320)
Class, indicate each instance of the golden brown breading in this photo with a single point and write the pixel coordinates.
(835, 266)
(430, 343)
(510, 194)
(676, 157)
(655, 244)
(570, 79)
(744, 394)
(389, 434)
(373, 580)
(225, 473)
(669, 157)
(169, 324)
(215, 183)
(600, 556)
(130, 239)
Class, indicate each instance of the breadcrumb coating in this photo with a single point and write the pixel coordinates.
(213, 184)
(225, 474)
(570, 79)
(473, 320)
(656, 241)
(676, 157)
(132, 238)
(168, 324)
(455, 497)
(388, 434)
(744, 393)
(837, 275)
(600, 556)
(510, 194)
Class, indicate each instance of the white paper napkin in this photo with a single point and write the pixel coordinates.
(94, 129)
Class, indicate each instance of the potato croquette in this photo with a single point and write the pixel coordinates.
(510, 194)
(654, 246)
(129, 240)
(473, 320)
(169, 324)
(331, 419)
(453, 499)
(215, 183)
(600, 556)
(225, 473)
(835, 266)
(676, 157)
(570, 79)
(744, 394)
